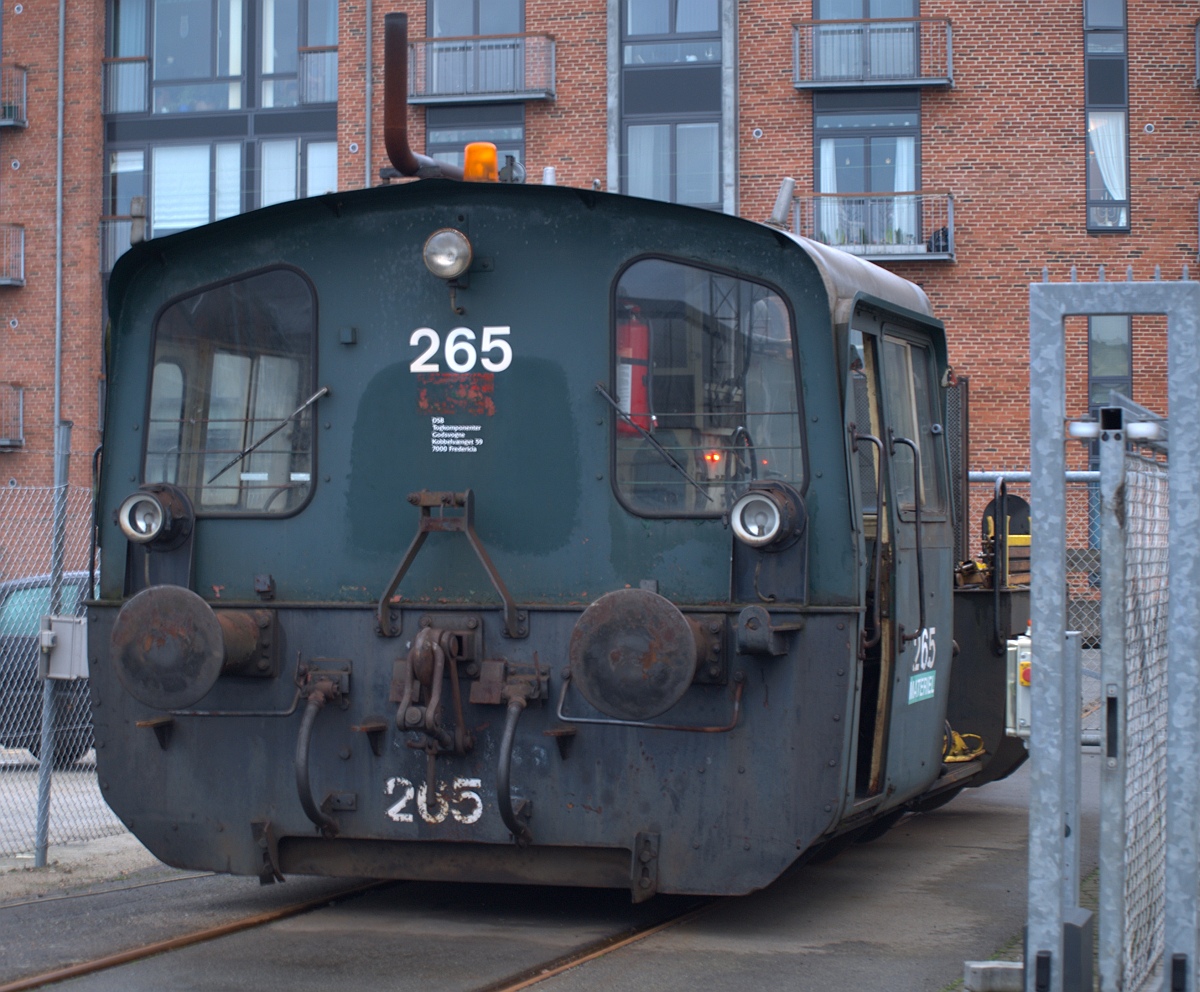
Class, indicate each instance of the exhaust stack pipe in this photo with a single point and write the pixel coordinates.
(395, 106)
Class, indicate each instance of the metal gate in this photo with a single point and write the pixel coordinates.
(1149, 869)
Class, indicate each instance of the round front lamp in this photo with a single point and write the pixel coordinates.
(756, 519)
(142, 517)
(447, 253)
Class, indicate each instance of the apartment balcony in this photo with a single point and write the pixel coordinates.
(839, 54)
(12, 255)
(127, 85)
(319, 75)
(481, 69)
(12, 97)
(12, 416)
(892, 227)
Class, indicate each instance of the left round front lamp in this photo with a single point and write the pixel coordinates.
(142, 517)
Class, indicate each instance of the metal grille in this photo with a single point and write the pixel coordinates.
(1146, 731)
(27, 548)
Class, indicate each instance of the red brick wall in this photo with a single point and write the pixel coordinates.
(1008, 141)
(27, 197)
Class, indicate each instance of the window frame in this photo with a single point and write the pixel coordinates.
(1095, 184)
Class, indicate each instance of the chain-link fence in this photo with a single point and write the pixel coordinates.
(1145, 511)
(28, 548)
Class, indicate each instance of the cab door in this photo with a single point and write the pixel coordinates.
(907, 561)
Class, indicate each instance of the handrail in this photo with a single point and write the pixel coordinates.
(917, 480)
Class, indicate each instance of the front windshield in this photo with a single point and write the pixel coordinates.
(706, 387)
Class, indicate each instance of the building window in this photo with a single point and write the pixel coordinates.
(1110, 358)
(1107, 109)
(671, 101)
(448, 130)
(867, 155)
(472, 18)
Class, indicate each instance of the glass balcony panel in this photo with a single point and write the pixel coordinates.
(907, 225)
(12, 97)
(12, 255)
(909, 51)
(318, 75)
(114, 240)
(495, 67)
(197, 97)
(12, 416)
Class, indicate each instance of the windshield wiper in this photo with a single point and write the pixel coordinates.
(670, 459)
(323, 391)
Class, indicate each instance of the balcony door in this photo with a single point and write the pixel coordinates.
(473, 60)
(873, 39)
(867, 161)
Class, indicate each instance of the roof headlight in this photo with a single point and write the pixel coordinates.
(142, 517)
(447, 253)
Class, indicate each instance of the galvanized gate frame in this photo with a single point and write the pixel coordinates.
(1054, 750)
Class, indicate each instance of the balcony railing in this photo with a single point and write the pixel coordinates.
(912, 52)
(12, 255)
(319, 75)
(127, 85)
(12, 97)
(894, 226)
(12, 416)
(114, 240)
(496, 67)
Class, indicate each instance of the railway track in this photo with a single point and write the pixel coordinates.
(621, 936)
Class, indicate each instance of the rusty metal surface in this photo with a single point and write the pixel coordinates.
(168, 646)
(633, 654)
(451, 394)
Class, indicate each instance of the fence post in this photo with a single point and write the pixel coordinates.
(62, 459)
(1112, 678)
(1183, 785)
(1048, 607)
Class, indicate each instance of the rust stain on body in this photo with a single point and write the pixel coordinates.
(451, 393)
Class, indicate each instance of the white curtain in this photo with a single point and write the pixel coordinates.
(828, 225)
(1106, 135)
(905, 182)
(649, 165)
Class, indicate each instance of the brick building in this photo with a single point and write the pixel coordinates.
(965, 146)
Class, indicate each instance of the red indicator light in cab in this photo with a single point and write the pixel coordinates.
(712, 457)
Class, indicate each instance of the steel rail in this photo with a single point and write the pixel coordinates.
(523, 979)
(589, 952)
(185, 940)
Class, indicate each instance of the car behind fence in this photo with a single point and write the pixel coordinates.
(28, 592)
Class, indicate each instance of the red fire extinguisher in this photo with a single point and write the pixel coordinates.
(633, 370)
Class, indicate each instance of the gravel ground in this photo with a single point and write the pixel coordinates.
(71, 867)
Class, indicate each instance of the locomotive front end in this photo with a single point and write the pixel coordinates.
(491, 533)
